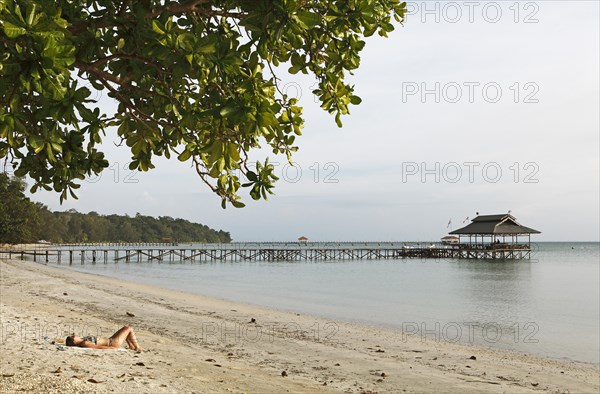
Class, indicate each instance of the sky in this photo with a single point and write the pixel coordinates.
(468, 107)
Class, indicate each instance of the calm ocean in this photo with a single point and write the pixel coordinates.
(549, 305)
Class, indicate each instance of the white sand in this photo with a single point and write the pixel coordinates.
(206, 345)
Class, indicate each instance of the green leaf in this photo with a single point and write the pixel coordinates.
(138, 147)
(13, 31)
(238, 204)
(186, 154)
(355, 100)
(31, 13)
(228, 111)
(308, 19)
(205, 49)
(338, 119)
(157, 28)
(251, 175)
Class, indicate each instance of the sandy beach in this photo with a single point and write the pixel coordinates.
(207, 345)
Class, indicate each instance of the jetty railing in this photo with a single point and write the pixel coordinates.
(270, 252)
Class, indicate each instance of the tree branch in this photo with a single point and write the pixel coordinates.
(89, 68)
(178, 8)
(83, 25)
(204, 174)
(126, 56)
(123, 7)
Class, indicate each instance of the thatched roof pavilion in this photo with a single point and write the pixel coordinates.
(504, 224)
(495, 232)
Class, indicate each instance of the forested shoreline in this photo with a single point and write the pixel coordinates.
(26, 221)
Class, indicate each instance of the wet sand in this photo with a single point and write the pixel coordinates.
(207, 345)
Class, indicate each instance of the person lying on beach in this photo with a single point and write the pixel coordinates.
(125, 334)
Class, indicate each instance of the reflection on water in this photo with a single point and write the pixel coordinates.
(548, 305)
(494, 289)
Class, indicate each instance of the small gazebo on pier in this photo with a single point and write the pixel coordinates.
(495, 237)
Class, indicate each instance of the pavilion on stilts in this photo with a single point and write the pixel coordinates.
(494, 237)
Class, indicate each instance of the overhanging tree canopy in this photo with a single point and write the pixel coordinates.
(191, 78)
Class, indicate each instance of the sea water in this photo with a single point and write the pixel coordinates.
(548, 305)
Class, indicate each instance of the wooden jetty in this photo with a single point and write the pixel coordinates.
(257, 252)
(493, 237)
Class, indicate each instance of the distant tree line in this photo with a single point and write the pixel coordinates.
(24, 221)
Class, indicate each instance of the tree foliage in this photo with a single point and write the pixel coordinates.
(72, 226)
(193, 79)
(18, 215)
(24, 221)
